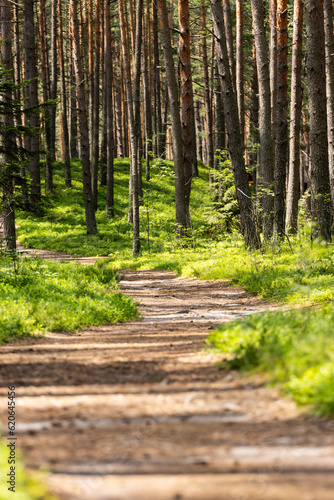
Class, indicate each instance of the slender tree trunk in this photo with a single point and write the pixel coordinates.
(133, 112)
(119, 128)
(316, 81)
(229, 40)
(281, 156)
(54, 77)
(180, 202)
(273, 67)
(32, 103)
(83, 122)
(64, 121)
(45, 72)
(95, 111)
(147, 99)
(157, 88)
(233, 130)
(8, 140)
(109, 111)
(187, 103)
(329, 48)
(207, 99)
(265, 180)
(240, 67)
(295, 118)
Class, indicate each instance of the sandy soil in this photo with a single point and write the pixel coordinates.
(138, 411)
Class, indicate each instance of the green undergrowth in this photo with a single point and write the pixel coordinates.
(300, 274)
(38, 295)
(28, 486)
(296, 348)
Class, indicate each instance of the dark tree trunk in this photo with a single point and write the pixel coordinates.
(32, 104)
(109, 112)
(329, 48)
(233, 130)
(187, 103)
(316, 82)
(83, 122)
(73, 118)
(180, 203)
(8, 139)
(64, 121)
(95, 111)
(281, 155)
(265, 178)
(157, 85)
(54, 77)
(293, 192)
(240, 67)
(45, 72)
(207, 97)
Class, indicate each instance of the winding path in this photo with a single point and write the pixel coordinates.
(138, 411)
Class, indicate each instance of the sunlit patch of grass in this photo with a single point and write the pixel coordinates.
(295, 348)
(40, 295)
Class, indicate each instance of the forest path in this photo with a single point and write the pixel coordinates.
(137, 411)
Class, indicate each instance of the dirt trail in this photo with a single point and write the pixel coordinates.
(138, 411)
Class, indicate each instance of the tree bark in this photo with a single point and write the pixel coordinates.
(293, 192)
(233, 130)
(180, 202)
(45, 73)
(32, 104)
(109, 111)
(207, 97)
(329, 48)
(316, 83)
(8, 139)
(187, 103)
(240, 67)
(83, 122)
(265, 180)
(68, 181)
(281, 155)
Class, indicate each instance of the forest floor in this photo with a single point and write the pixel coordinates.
(139, 411)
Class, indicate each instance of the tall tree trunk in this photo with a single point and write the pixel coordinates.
(18, 96)
(233, 130)
(273, 67)
(95, 111)
(83, 122)
(157, 84)
(109, 111)
(45, 72)
(32, 103)
(295, 118)
(229, 40)
(265, 181)
(180, 202)
(8, 139)
(240, 67)
(187, 103)
(329, 48)
(207, 97)
(54, 77)
(133, 112)
(281, 155)
(316, 82)
(64, 100)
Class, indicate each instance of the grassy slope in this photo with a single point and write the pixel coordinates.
(303, 277)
